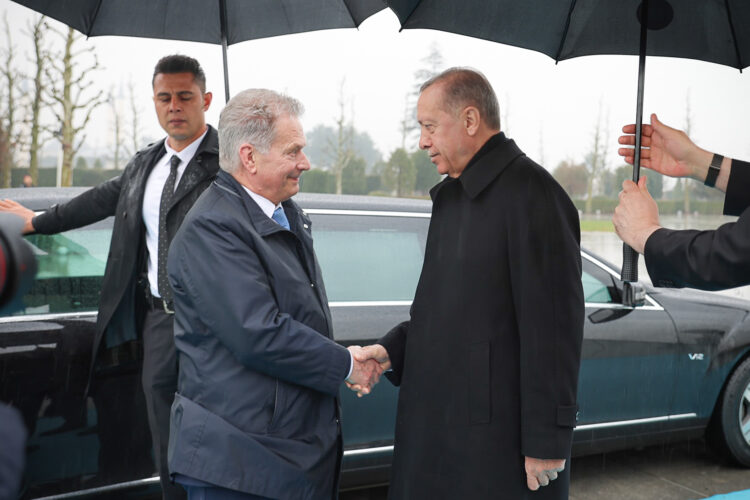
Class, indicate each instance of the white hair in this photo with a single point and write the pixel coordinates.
(250, 117)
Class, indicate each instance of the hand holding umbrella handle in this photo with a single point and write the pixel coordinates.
(629, 264)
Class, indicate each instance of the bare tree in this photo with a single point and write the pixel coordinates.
(10, 125)
(596, 159)
(70, 89)
(117, 127)
(341, 150)
(134, 112)
(685, 183)
(541, 145)
(506, 115)
(432, 64)
(41, 57)
(406, 126)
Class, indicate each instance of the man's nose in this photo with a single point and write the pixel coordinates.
(424, 141)
(304, 164)
(174, 103)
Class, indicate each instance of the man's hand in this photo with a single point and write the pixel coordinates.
(16, 208)
(540, 472)
(365, 372)
(375, 353)
(637, 215)
(666, 150)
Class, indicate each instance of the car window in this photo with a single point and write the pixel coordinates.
(598, 286)
(369, 258)
(70, 267)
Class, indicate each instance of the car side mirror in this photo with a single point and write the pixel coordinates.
(633, 294)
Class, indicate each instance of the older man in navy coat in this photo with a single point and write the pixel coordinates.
(256, 414)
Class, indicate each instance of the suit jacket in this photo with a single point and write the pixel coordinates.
(259, 373)
(709, 260)
(488, 363)
(121, 299)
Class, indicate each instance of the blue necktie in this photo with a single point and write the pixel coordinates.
(280, 217)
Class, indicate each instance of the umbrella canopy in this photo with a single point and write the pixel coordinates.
(211, 21)
(705, 30)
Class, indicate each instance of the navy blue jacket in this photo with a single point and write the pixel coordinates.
(256, 409)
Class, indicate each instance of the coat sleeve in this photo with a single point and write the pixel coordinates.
(738, 187)
(709, 260)
(395, 343)
(221, 279)
(544, 249)
(88, 207)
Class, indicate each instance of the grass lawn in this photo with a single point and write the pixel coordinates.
(604, 225)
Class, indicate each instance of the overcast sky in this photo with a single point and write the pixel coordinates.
(551, 110)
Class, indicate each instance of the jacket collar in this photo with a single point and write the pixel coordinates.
(491, 159)
(262, 223)
(199, 168)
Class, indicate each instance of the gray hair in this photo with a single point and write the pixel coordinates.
(467, 87)
(250, 117)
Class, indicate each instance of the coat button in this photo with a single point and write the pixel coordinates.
(312, 285)
(125, 215)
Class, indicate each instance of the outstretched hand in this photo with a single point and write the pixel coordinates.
(369, 355)
(365, 372)
(666, 150)
(16, 208)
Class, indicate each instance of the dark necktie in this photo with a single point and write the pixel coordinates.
(280, 217)
(166, 198)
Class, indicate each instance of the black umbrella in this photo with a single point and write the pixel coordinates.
(212, 21)
(706, 30)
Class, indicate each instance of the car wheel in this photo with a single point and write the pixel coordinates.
(732, 421)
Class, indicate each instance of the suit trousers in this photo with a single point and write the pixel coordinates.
(159, 386)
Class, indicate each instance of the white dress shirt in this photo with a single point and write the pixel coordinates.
(152, 200)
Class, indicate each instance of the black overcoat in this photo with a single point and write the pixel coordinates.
(709, 260)
(119, 315)
(488, 363)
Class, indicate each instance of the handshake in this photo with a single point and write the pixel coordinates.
(369, 363)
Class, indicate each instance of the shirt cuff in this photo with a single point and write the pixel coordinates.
(351, 366)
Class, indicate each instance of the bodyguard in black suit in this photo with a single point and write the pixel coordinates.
(709, 260)
(488, 363)
(149, 202)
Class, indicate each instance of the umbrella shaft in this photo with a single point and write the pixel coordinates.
(641, 82)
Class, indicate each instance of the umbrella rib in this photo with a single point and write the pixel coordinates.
(406, 20)
(349, 11)
(93, 20)
(565, 33)
(734, 35)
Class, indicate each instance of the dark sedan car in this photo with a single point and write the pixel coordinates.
(658, 364)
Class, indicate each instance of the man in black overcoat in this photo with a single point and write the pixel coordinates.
(709, 260)
(149, 202)
(488, 363)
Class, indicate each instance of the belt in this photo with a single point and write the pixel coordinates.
(155, 303)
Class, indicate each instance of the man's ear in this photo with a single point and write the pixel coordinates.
(207, 98)
(470, 119)
(247, 157)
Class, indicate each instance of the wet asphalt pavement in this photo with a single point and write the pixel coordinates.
(681, 471)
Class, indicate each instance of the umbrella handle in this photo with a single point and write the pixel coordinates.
(629, 264)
